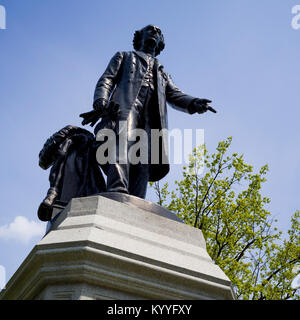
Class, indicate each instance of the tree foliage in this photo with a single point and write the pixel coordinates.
(225, 202)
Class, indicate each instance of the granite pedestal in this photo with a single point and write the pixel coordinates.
(101, 248)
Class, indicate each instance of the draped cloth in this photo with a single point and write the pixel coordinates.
(71, 153)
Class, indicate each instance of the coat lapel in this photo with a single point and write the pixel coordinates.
(143, 56)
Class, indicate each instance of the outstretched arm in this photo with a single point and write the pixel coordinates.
(184, 102)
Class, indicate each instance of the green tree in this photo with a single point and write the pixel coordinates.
(225, 202)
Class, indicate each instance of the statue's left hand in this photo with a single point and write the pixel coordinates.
(202, 105)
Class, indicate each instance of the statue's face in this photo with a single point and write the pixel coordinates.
(151, 36)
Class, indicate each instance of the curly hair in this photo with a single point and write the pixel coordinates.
(137, 42)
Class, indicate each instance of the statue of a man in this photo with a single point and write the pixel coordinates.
(134, 89)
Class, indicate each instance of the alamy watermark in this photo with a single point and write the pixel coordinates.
(147, 146)
(2, 277)
(2, 18)
(295, 23)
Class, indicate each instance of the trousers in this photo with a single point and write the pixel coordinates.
(126, 177)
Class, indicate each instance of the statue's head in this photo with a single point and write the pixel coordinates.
(149, 36)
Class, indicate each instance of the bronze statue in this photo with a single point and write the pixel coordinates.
(133, 89)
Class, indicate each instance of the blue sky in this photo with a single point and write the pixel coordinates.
(243, 55)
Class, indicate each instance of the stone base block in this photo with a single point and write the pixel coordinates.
(100, 248)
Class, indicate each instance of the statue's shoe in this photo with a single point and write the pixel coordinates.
(44, 212)
(45, 208)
